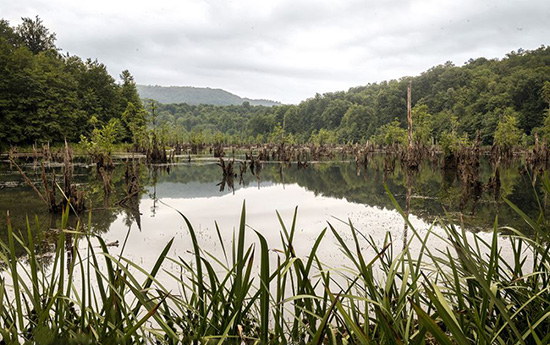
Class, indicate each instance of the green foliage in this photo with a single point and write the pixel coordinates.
(102, 140)
(35, 36)
(196, 137)
(128, 90)
(451, 141)
(59, 304)
(489, 125)
(507, 134)
(219, 138)
(455, 287)
(324, 136)
(47, 96)
(546, 92)
(476, 93)
(422, 125)
(134, 122)
(277, 136)
(334, 112)
(390, 134)
(9, 34)
(544, 131)
(356, 124)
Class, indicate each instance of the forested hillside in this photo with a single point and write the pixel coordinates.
(46, 95)
(196, 96)
(445, 98)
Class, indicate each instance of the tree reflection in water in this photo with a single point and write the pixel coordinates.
(426, 193)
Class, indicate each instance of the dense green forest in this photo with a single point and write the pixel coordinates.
(196, 96)
(514, 90)
(46, 95)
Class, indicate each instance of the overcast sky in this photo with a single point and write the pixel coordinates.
(285, 50)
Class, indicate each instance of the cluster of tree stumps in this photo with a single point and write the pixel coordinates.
(60, 190)
(70, 194)
(461, 160)
(461, 164)
(539, 156)
(251, 163)
(156, 152)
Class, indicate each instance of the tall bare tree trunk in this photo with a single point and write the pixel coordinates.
(411, 159)
(409, 118)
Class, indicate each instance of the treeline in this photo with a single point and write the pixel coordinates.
(513, 91)
(47, 96)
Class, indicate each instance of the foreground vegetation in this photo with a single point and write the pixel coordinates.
(472, 290)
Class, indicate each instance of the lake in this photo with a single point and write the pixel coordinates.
(324, 192)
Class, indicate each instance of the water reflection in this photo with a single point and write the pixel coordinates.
(202, 191)
(431, 191)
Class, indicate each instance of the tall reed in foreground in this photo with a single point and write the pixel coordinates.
(471, 289)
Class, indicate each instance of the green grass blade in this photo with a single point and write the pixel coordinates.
(264, 288)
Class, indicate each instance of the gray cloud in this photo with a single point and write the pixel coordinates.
(286, 49)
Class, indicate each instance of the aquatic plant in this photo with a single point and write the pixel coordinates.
(467, 291)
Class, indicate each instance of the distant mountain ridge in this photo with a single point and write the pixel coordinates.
(196, 95)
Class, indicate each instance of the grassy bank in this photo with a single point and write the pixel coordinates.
(466, 292)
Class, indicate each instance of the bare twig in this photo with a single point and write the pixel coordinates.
(29, 182)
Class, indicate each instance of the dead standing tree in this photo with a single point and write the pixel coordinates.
(411, 161)
(411, 157)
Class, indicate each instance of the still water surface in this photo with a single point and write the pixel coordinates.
(335, 192)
